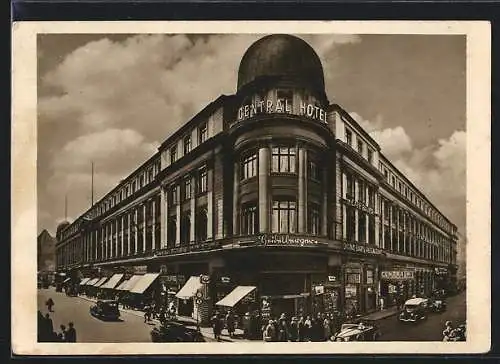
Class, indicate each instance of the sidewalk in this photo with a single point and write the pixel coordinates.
(188, 322)
(379, 315)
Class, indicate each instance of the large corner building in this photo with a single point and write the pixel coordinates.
(273, 188)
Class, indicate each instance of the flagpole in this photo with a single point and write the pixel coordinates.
(66, 207)
(92, 186)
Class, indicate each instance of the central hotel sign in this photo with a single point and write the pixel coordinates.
(281, 106)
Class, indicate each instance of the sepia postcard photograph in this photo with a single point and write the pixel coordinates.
(251, 187)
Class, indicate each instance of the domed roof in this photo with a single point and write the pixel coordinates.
(281, 55)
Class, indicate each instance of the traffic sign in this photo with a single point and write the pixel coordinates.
(199, 294)
(199, 301)
(205, 279)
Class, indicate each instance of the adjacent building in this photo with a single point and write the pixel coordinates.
(46, 252)
(272, 188)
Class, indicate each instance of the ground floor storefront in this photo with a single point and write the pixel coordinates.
(267, 282)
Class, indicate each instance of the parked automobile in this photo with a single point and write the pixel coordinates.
(414, 310)
(175, 332)
(357, 332)
(106, 310)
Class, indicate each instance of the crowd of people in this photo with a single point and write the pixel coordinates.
(320, 327)
(46, 332)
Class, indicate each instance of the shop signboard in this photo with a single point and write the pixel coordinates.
(319, 290)
(397, 274)
(332, 279)
(288, 240)
(188, 248)
(360, 205)
(361, 248)
(351, 291)
(225, 279)
(140, 269)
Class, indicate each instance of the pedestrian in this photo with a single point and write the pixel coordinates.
(49, 303)
(269, 332)
(327, 328)
(49, 324)
(307, 328)
(283, 328)
(147, 314)
(216, 326)
(230, 323)
(301, 328)
(62, 334)
(247, 325)
(71, 333)
(294, 329)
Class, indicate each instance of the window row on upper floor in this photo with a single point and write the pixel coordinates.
(188, 186)
(411, 195)
(188, 142)
(359, 145)
(284, 159)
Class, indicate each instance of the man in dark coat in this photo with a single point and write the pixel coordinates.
(71, 334)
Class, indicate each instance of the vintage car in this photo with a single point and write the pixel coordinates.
(436, 305)
(357, 332)
(170, 332)
(414, 310)
(105, 310)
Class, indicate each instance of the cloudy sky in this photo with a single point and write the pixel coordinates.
(113, 99)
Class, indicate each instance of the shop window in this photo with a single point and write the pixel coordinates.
(284, 217)
(314, 220)
(187, 188)
(173, 154)
(351, 223)
(249, 166)
(362, 227)
(187, 144)
(249, 219)
(171, 231)
(185, 229)
(283, 159)
(202, 133)
(201, 225)
(202, 180)
(348, 137)
(369, 276)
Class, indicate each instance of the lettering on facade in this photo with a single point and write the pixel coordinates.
(287, 240)
(360, 205)
(281, 106)
(188, 248)
(397, 274)
(359, 248)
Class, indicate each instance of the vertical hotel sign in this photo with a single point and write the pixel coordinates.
(281, 106)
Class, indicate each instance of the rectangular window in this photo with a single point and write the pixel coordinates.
(362, 191)
(348, 137)
(173, 154)
(350, 186)
(314, 220)
(393, 182)
(314, 172)
(371, 197)
(174, 195)
(362, 227)
(351, 223)
(249, 166)
(360, 147)
(187, 144)
(283, 159)
(284, 217)
(202, 180)
(187, 188)
(371, 229)
(249, 220)
(202, 133)
(370, 156)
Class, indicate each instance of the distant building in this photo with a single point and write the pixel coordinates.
(46, 252)
(272, 188)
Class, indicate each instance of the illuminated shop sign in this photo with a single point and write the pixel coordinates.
(360, 205)
(287, 240)
(281, 106)
(359, 248)
(397, 274)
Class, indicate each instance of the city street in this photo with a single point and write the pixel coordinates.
(132, 328)
(427, 330)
